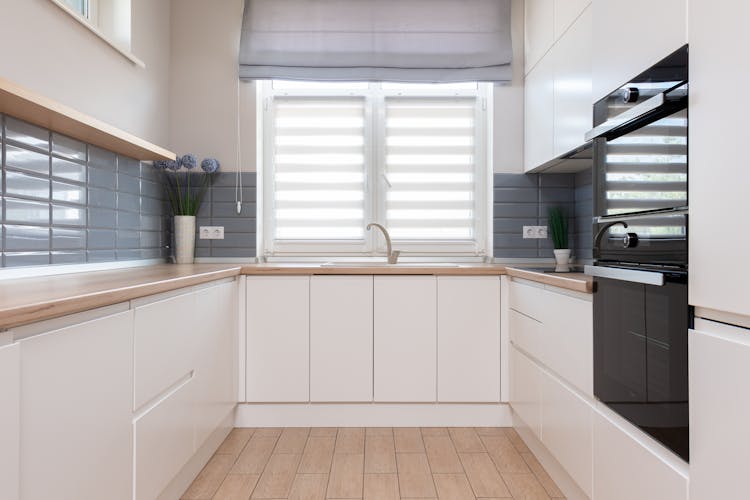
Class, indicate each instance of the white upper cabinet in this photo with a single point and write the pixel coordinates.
(9, 420)
(278, 339)
(539, 30)
(719, 165)
(341, 341)
(405, 323)
(573, 115)
(539, 99)
(76, 409)
(468, 339)
(630, 37)
(566, 12)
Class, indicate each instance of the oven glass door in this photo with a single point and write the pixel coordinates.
(644, 169)
(640, 355)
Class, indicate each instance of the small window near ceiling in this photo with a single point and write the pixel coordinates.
(339, 155)
(109, 19)
(79, 6)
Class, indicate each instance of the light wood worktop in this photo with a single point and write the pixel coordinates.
(27, 300)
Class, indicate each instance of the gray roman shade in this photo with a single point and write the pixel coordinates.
(376, 40)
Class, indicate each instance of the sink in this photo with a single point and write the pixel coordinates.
(385, 264)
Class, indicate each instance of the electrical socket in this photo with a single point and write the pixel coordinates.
(534, 232)
(211, 232)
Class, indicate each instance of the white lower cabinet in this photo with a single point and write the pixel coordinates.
(566, 427)
(278, 339)
(526, 390)
(468, 332)
(405, 339)
(163, 441)
(76, 409)
(10, 375)
(341, 342)
(626, 467)
(719, 410)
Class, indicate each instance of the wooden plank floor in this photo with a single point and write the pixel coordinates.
(373, 464)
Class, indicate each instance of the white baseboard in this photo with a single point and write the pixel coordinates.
(189, 472)
(556, 471)
(372, 415)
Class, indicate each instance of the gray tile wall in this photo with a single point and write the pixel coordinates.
(220, 209)
(66, 202)
(584, 212)
(524, 200)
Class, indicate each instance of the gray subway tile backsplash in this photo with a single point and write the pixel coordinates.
(68, 147)
(20, 184)
(26, 133)
(68, 170)
(26, 238)
(25, 159)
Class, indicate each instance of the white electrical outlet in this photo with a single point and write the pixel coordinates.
(211, 232)
(534, 232)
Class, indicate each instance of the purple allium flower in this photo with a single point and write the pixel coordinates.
(160, 164)
(210, 165)
(173, 165)
(189, 161)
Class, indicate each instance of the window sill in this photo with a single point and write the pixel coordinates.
(126, 53)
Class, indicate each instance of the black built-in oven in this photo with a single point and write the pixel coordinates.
(641, 311)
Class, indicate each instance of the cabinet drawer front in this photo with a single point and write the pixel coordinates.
(528, 299)
(10, 376)
(163, 442)
(566, 430)
(526, 391)
(163, 347)
(527, 334)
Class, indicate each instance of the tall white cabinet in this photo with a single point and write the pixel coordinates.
(10, 375)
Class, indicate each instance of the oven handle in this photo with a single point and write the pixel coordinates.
(632, 275)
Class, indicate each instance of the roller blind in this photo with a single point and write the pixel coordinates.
(376, 40)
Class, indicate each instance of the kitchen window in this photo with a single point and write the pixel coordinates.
(337, 156)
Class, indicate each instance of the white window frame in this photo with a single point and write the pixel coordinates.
(375, 209)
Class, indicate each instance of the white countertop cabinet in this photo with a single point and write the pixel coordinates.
(10, 385)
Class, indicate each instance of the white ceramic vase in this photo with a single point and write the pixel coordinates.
(562, 256)
(184, 239)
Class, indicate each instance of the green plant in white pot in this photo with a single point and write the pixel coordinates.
(558, 227)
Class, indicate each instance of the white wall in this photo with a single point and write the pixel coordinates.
(49, 52)
(204, 89)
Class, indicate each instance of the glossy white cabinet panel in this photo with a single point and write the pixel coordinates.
(164, 345)
(341, 342)
(527, 334)
(468, 339)
(215, 366)
(10, 376)
(719, 170)
(629, 38)
(573, 115)
(539, 114)
(526, 390)
(625, 468)
(163, 442)
(538, 32)
(566, 430)
(405, 329)
(566, 12)
(528, 298)
(719, 410)
(76, 410)
(278, 339)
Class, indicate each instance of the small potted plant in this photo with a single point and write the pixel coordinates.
(185, 191)
(558, 226)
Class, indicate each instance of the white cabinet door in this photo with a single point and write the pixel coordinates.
(625, 468)
(539, 114)
(526, 390)
(566, 12)
(527, 334)
(163, 442)
(566, 430)
(9, 420)
(719, 170)
(76, 409)
(278, 334)
(629, 38)
(468, 339)
(719, 410)
(573, 115)
(341, 338)
(538, 30)
(215, 366)
(405, 325)
(164, 345)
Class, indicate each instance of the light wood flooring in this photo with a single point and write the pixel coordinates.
(373, 464)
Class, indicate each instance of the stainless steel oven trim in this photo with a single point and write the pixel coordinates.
(632, 275)
(631, 114)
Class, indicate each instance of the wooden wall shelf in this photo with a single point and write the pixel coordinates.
(21, 103)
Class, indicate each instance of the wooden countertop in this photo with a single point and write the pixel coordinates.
(28, 300)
